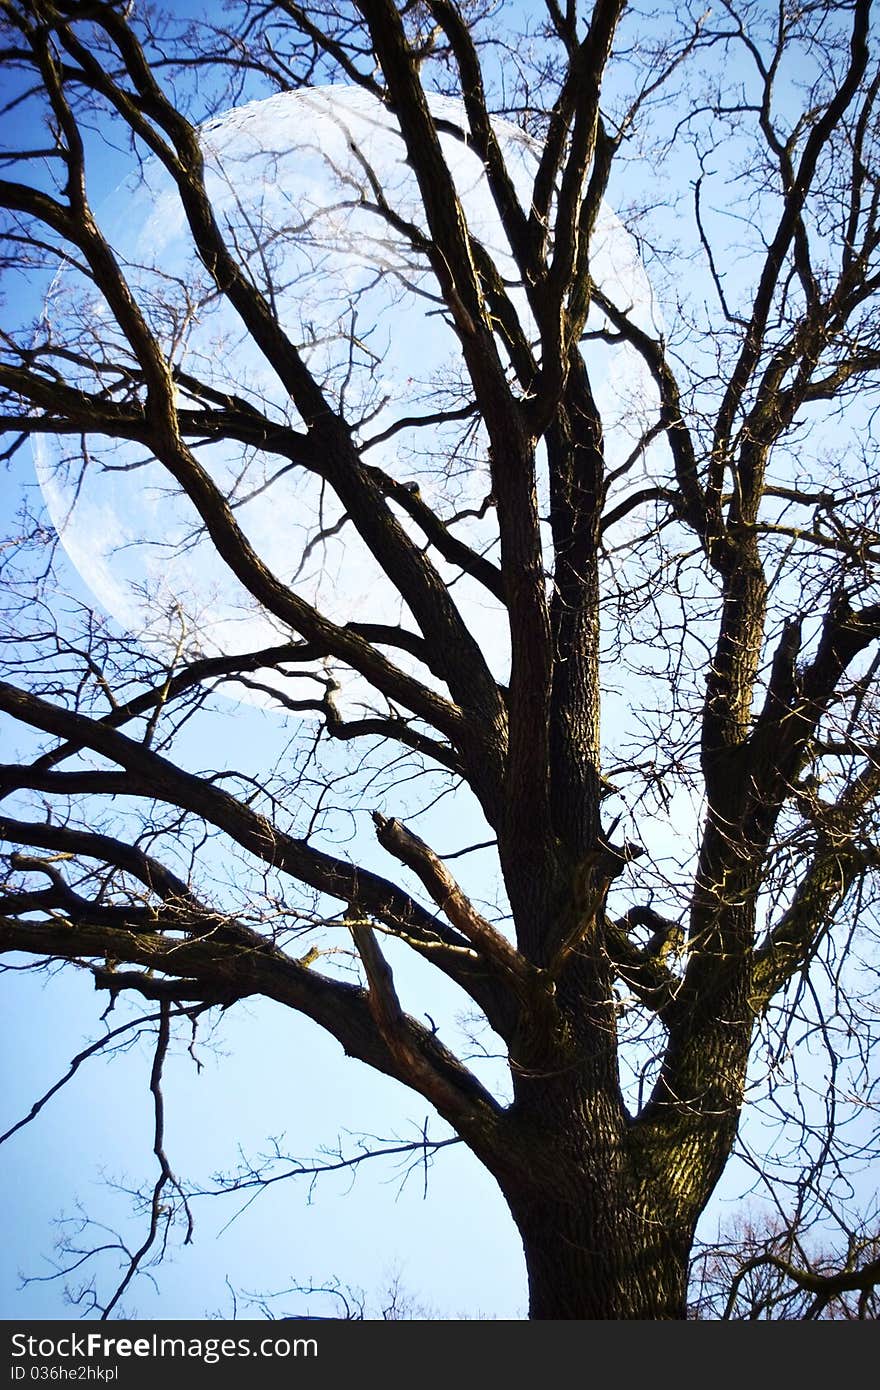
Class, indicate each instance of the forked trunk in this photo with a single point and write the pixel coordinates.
(607, 1206)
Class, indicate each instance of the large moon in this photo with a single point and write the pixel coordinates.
(292, 180)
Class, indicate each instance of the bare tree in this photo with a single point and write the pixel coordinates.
(686, 887)
(765, 1274)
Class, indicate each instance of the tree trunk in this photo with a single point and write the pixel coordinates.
(606, 1206)
(590, 1254)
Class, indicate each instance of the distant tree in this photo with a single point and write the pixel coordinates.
(685, 912)
(765, 1274)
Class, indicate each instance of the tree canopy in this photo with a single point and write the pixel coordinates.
(493, 400)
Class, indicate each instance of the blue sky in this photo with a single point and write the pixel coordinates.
(454, 1248)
